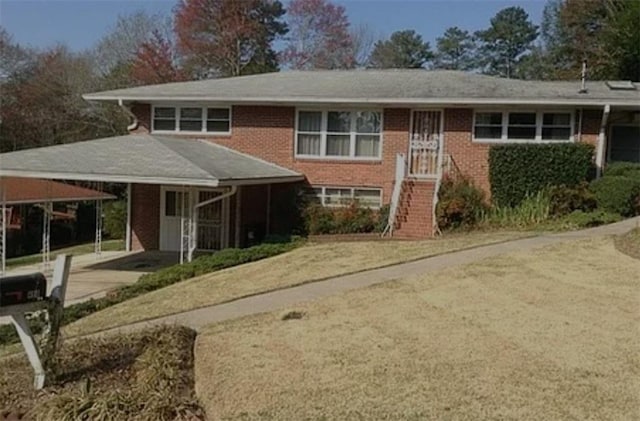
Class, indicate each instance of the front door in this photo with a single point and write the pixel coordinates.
(625, 144)
(425, 143)
(174, 204)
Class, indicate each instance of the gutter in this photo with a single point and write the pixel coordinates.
(601, 140)
(359, 101)
(134, 123)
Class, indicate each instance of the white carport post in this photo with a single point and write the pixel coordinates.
(601, 140)
(99, 221)
(47, 211)
(3, 233)
(127, 246)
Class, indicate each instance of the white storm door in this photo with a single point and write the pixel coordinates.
(174, 203)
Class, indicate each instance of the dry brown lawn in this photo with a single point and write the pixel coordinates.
(309, 263)
(550, 334)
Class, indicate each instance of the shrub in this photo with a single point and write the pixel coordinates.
(460, 204)
(625, 169)
(618, 194)
(533, 210)
(115, 219)
(581, 219)
(350, 219)
(563, 200)
(383, 218)
(151, 281)
(517, 171)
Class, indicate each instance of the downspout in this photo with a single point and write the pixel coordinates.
(601, 140)
(194, 214)
(134, 123)
(128, 229)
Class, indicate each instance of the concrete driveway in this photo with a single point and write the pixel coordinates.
(94, 278)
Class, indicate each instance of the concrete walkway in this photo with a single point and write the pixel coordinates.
(289, 297)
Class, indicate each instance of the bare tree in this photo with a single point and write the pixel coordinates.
(363, 37)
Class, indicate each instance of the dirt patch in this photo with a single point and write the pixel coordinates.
(142, 376)
(629, 243)
(548, 334)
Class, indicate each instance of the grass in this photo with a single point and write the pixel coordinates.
(142, 376)
(302, 265)
(107, 245)
(629, 243)
(547, 334)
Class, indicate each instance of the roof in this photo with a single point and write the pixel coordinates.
(142, 158)
(16, 190)
(391, 86)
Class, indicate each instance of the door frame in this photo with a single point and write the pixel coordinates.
(193, 200)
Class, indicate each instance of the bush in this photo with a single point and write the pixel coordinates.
(625, 169)
(518, 171)
(563, 200)
(115, 219)
(618, 194)
(533, 210)
(460, 204)
(350, 219)
(151, 281)
(581, 219)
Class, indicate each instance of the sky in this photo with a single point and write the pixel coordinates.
(81, 23)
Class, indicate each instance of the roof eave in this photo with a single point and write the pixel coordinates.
(110, 178)
(378, 101)
(259, 181)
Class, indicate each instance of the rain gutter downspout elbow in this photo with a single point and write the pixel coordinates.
(134, 123)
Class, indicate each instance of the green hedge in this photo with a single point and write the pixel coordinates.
(517, 171)
(619, 194)
(149, 282)
(625, 169)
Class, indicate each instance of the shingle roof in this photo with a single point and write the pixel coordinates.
(142, 158)
(17, 190)
(375, 86)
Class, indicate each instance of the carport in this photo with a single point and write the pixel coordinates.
(17, 191)
(192, 182)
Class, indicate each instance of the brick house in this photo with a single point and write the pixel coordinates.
(213, 158)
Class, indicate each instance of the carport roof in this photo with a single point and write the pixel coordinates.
(142, 158)
(17, 190)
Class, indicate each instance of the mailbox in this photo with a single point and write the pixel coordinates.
(22, 289)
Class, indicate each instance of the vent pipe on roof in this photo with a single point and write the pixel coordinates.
(583, 78)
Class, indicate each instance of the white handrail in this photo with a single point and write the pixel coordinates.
(401, 170)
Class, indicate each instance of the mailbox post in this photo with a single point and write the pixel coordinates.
(26, 294)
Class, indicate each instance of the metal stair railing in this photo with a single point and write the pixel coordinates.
(401, 172)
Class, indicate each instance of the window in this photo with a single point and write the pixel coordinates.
(175, 203)
(218, 120)
(342, 196)
(556, 126)
(339, 134)
(192, 120)
(164, 118)
(523, 126)
(488, 126)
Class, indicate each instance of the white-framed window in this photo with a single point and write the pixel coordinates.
(343, 196)
(522, 126)
(191, 119)
(339, 134)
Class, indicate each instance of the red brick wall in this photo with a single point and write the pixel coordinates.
(145, 217)
(268, 132)
(471, 158)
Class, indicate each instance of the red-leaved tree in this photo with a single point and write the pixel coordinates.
(228, 37)
(319, 36)
(155, 62)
